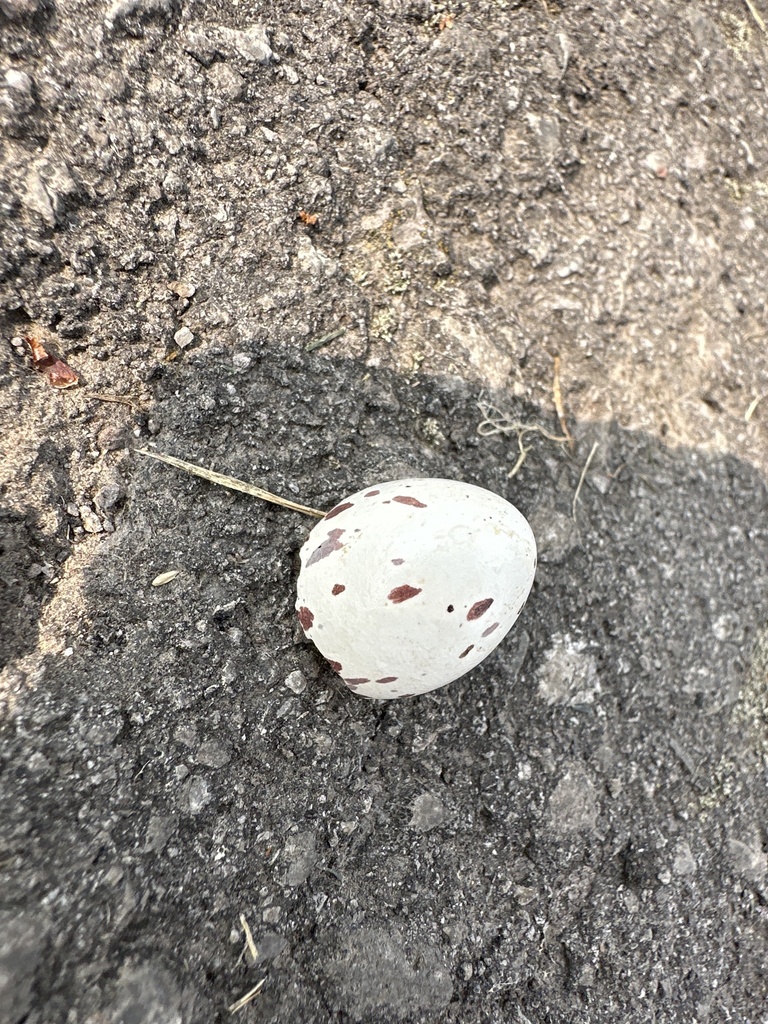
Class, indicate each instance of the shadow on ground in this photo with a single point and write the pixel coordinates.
(576, 830)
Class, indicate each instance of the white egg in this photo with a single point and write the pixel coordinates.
(405, 586)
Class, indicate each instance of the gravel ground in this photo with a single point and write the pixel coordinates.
(193, 196)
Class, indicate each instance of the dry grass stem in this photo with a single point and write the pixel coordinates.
(756, 14)
(118, 399)
(752, 406)
(583, 476)
(558, 396)
(249, 939)
(244, 1000)
(231, 482)
(319, 342)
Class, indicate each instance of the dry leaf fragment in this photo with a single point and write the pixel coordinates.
(56, 370)
(165, 577)
(446, 21)
(308, 218)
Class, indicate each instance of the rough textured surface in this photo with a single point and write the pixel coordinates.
(191, 194)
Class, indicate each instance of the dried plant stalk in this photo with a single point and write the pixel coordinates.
(232, 483)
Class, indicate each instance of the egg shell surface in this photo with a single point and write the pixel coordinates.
(407, 585)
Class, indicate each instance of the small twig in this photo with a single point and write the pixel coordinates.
(231, 482)
(558, 396)
(756, 14)
(752, 406)
(113, 398)
(583, 475)
(325, 339)
(249, 939)
(244, 1000)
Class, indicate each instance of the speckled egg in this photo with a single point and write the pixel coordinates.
(407, 585)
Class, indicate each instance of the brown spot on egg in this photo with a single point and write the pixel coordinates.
(370, 494)
(403, 593)
(306, 618)
(407, 694)
(479, 608)
(465, 653)
(487, 632)
(335, 665)
(327, 547)
(338, 588)
(397, 561)
(387, 679)
(339, 509)
(450, 607)
(406, 499)
(356, 682)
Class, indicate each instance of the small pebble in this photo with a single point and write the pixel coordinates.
(241, 361)
(213, 754)
(91, 522)
(108, 496)
(428, 812)
(198, 794)
(296, 682)
(183, 337)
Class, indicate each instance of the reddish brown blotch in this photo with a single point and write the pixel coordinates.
(406, 500)
(338, 588)
(403, 593)
(327, 547)
(306, 618)
(465, 653)
(339, 508)
(387, 679)
(479, 608)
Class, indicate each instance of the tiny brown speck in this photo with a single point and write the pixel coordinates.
(338, 588)
(465, 653)
(479, 608)
(403, 593)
